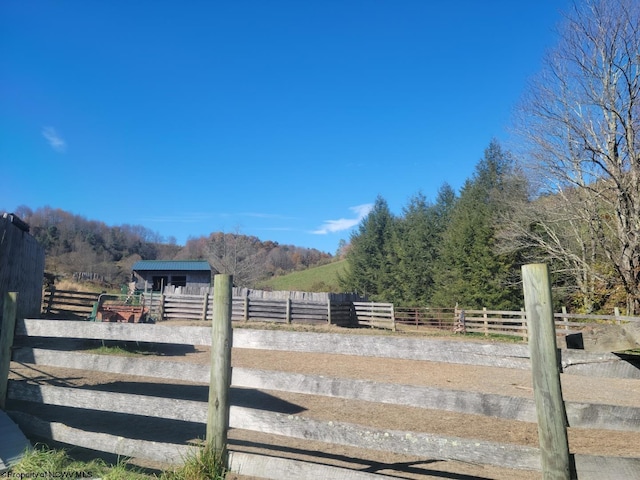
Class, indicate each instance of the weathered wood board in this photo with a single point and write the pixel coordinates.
(576, 362)
(126, 447)
(143, 367)
(114, 331)
(424, 445)
(273, 468)
(607, 338)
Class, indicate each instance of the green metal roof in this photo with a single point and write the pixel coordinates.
(175, 265)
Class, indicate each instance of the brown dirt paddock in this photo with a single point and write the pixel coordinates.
(463, 377)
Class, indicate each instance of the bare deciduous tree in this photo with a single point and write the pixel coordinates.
(554, 229)
(237, 255)
(580, 122)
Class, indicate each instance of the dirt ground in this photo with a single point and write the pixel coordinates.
(462, 377)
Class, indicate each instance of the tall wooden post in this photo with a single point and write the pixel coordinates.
(162, 305)
(52, 292)
(547, 391)
(287, 313)
(9, 312)
(220, 381)
(486, 321)
(205, 306)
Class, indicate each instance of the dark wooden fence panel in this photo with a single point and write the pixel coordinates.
(343, 314)
(21, 265)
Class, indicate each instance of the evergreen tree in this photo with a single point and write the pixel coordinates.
(417, 240)
(470, 272)
(370, 256)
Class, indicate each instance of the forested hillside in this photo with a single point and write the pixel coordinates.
(90, 250)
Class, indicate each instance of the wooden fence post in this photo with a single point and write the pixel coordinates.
(52, 291)
(220, 380)
(329, 310)
(151, 310)
(162, 305)
(456, 319)
(9, 311)
(523, 316)
(486, 321)
(205, 308)
(246, 306)
(288, 310)
(393, 318)
(547, 391)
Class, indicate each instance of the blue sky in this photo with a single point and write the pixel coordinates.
(279, 119)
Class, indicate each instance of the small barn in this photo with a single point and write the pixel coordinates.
(155, 275)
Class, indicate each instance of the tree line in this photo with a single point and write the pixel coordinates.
(78, 248)
(569, 198)
(441, 253)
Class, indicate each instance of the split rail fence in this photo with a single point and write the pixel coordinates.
(38, 407)
(71, 304)
(437, 318)
(514, 323)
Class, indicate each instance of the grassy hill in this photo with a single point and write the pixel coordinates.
(317, 279)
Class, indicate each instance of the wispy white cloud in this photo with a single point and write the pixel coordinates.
(331, 226)
(54, 139)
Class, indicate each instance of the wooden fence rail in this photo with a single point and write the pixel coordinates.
(378, 315)
(496, 322)
(26, 397)
(513, 323)
(200, 307)
(68, 303)
(438, 318)
(334, 312)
